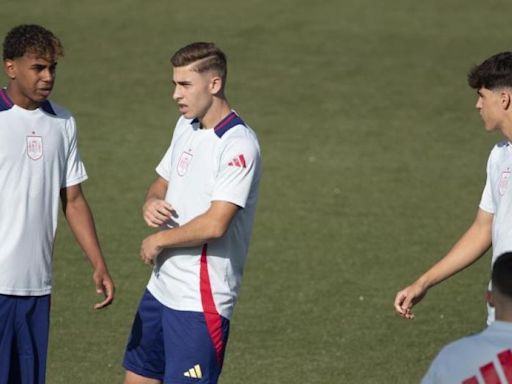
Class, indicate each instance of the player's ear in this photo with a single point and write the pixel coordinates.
(505, 98)
(10, 68)
(489, 297)
(215, 85)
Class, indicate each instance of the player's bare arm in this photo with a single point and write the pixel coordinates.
(81, 222)
(212, 224)
(471, 246)
(156, 211)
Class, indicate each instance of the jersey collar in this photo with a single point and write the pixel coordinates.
(231, 120)
(6, 103)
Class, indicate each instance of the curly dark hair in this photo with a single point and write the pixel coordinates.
(207, 57)
(31, 38)
(495, 72)
(501, 272)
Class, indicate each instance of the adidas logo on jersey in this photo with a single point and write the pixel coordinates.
(238, 161)
(195, 372)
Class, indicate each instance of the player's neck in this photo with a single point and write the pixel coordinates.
(503, 312)
(19, 99)
(506, 129)
(218, 111)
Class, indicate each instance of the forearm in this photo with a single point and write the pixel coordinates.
(81, 222)
(470, 247)
(197, 232)
(157, 190)
(210, 225)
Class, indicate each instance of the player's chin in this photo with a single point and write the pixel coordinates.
(188, 114)
(42, 95)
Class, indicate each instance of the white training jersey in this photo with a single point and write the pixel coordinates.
(497, 200)
(482, 358)
(38, 157)
(497, 197)
(202, 166)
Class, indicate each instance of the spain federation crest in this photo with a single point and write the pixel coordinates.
(35, 147)
(183, 163)
(505, 176)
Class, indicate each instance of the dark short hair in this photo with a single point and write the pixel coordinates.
(495, 72)
(501, 275)
(31, 38)
(206, 56)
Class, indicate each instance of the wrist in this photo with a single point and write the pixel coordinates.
(159, 239)
(424, 283)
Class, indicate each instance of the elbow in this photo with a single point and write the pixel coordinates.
(216, 231)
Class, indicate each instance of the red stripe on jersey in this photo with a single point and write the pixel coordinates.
(242, 160)
(212, 317)
(489, 374)
(505, 359)
(471, 380)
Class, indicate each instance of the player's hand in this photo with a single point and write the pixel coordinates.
(407, 298)
(149, 249)
(105, 286)
(156, 212)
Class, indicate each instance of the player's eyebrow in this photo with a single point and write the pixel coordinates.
(183, 82)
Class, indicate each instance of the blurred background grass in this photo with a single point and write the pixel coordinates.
(374, 161)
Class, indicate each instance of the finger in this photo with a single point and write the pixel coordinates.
(165, 206)
(108, 290)
(105, 303)
(161, 216)
(407, 303)
(154, 218)
(398, 302)
(150, 222)
(166, 210)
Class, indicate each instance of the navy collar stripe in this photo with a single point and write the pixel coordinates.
(5, 102)
(47, 107)
(227, 123)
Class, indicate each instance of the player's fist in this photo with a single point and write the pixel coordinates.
(150, 249)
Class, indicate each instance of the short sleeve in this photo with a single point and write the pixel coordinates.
(486, 201)
(239, 167)
(165, 165)
(75, 169)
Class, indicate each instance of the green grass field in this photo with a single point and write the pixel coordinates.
(374, 161)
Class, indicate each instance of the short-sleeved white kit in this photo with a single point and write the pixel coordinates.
(202, 166)
(38, 157)
(497, 197)
(497, 200)
(487, 354)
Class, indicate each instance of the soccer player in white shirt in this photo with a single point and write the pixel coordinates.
(487, 356)
(493, 223)
(39, 163)
(203, 201)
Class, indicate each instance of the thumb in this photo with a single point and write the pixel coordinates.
(100, 287)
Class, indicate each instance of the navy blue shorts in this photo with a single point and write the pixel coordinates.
(24, 327)
(176, 346)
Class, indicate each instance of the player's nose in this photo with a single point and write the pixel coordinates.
(176, 95)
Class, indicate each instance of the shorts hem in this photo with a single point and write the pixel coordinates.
(142, 372)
